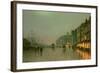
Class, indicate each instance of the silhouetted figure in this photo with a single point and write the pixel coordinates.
(53, 46)
(41, 51)
(64, 48)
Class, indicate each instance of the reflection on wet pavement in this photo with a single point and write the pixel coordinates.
(50, 54)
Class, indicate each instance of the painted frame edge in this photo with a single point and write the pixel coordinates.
(14, 35)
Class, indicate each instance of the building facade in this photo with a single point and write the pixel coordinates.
(81, 38)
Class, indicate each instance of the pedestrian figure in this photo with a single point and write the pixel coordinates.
(41, 51)
(64, 49)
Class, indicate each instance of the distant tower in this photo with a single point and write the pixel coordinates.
(68, 40)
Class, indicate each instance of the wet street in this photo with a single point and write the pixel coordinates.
(50, 54)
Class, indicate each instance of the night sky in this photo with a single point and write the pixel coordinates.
(47, 26)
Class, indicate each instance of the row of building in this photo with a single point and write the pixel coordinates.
(81, 38)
